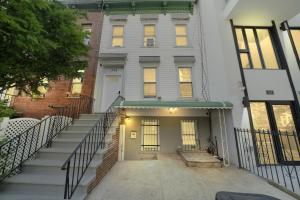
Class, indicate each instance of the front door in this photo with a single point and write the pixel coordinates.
(112, 87)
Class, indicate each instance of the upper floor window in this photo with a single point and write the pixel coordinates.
(296, 37)
(88, 29)
(149, 35)
(118, 36)
(76, 87)
(256, 48)
(181, 35)
(185, 82)
(149, 82)
(42, 89)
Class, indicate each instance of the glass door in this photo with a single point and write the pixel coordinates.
(286, 132)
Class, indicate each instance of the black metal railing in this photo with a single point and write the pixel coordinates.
(190, 142)
(213, 146)
(274, 156)
(14, 152)
(79, 161)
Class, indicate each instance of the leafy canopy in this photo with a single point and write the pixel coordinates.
(39, 39)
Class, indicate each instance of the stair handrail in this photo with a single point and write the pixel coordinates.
(83, 154)
(15, 151)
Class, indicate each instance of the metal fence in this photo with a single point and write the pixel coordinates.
(15, 151)
(274, 156)
(78, 162)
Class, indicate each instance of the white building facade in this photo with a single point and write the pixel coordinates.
(189, 79)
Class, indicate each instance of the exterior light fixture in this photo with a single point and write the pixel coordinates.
(172, 110)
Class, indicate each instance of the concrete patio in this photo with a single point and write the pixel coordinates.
(169, 179)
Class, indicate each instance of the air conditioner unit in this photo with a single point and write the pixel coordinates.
(150, 42)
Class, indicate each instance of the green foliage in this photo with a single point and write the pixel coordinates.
(6, 111)
(39, 39)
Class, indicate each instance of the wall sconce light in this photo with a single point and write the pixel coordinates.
(127, 118)
(172, 110)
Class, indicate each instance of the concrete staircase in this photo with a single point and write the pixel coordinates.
(42, 177)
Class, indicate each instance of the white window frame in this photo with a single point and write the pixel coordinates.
(149, 97)
(186, 36)
(178, 82)
(156, 147)
(153, 36)
(113, 37)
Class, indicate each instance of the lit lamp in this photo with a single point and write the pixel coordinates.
(127, 118)
(172, 110)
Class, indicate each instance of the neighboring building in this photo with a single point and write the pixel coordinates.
(62, 91)
(184, 84)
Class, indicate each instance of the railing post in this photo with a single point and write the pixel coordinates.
(237, 147)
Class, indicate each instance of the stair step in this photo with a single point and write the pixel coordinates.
(43, 166)
(7, 196)
(62, 153)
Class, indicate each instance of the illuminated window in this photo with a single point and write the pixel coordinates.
(188, 133)
(256, 48)
(118, 36)
(149, 82)
(149, 35)
(296, 38)
(150, 135)
(185, 82)
(42, 90)
(76, 87)
(181, 36)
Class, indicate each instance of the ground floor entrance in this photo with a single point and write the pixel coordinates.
(168, 178)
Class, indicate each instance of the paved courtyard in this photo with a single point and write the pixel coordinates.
(169, 179)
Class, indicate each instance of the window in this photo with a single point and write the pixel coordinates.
(150, 135)
(149, 36)
(88, 29)
(256, 48)
(181, 35)
(149, 82)
(118, 36)
(188, 134)
(185, 82)
(43, 89)
(296, 37)
(76, 87)
(276, 135)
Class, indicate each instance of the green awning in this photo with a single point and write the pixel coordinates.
(113, 7)
(174, 104)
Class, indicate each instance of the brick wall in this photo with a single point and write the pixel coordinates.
(109, 160)
(57, 93)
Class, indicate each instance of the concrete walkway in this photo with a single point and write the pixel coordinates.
(169, 179)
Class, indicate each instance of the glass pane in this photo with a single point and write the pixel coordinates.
(149, 75)
(117, 42)
(240, 38)
(181, 30)
(267, 48)
(186, 90)
(296, 37)
(185, 75)
(288, 137)
(149, 30)
(118, 31)
(181, 41)
(266, 148)
(253, 49)
(245, 60)
(259, 116)
(11, 91)
(150, 90)
(76, 88)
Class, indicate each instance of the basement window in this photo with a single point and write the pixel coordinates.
(150, 135)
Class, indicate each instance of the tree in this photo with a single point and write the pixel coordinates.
(39, 39)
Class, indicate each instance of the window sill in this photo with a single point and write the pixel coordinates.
(73, 97)
(183, 47)
(263, 69)
(155, 47)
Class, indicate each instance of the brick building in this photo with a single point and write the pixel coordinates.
(62, 91)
